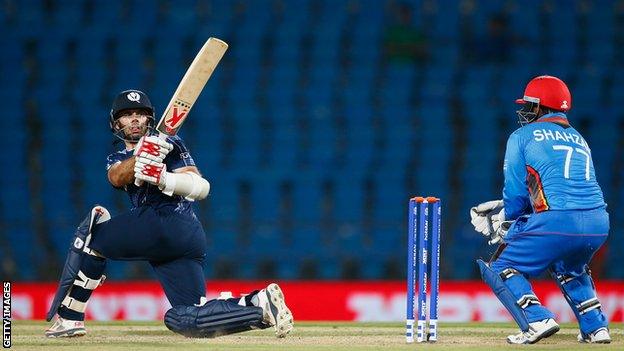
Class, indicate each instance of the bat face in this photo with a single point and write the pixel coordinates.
(191, 86)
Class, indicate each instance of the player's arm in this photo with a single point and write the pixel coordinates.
(121, 173)
(187, 169)
(515, 191)
(185, 181)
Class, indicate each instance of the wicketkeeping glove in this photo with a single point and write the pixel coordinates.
(500, 227)
(481, 216)
(152, 148)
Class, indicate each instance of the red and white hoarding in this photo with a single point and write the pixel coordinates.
(460, 301)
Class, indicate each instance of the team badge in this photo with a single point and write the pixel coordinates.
(564, 104)
(134, 96)
(78, 243)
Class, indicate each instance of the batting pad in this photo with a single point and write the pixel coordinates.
(503, 293)
(214, 318)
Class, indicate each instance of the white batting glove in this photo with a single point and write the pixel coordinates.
(150, 171)
(152, 148)
(481, 216)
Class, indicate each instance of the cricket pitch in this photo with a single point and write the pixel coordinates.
(28, 335)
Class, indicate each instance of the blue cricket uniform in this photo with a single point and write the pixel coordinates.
(178, 157)
(560, 215)
(160, 229)
(548, 166)
(164, 231)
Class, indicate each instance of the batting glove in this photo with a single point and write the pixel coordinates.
(152, 148)
(150, 171)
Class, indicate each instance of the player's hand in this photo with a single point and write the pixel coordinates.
(500, 227)
(152, 148)
(150, 171)
(481, 216)
(484, 208)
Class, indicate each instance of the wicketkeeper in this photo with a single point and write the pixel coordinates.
(552, 217)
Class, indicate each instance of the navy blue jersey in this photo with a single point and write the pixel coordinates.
(548, 166)
(150, 195)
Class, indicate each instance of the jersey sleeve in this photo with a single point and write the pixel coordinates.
(180, 156)
(113, 159)
(515, 192)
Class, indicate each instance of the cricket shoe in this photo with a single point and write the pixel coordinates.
(599, 336)
(276, 313)
(65, 328)
(537, 331)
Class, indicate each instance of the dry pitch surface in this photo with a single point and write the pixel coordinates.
(28, 335)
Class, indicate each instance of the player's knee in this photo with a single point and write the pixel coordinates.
(214, 318)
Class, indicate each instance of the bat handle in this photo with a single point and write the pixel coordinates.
(138, 182)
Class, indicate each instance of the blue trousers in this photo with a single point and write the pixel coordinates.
(562, 242)
(173, 243)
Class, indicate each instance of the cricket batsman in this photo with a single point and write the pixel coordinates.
(160, 228)
(552, 217)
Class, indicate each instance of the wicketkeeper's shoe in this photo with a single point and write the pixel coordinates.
(599, 336)
(276, 313)
(65, 328)
(537, 331)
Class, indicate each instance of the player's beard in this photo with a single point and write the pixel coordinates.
(134, 132)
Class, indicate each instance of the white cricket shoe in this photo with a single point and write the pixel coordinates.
(599, 336)
(276, 313)
(66, 328)
(537, 331)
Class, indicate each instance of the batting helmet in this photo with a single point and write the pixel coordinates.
(548, 91)
(127, 100)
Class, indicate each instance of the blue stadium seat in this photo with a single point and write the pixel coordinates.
(307, 199)
(224, 198)
(25, 251)
(15, 201)
(284, 146)
(446, 24)
(265, 242)
(265, 200)
(30, 18)
(390, 197)
(437, 79)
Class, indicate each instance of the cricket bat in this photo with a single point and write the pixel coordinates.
(189, 88)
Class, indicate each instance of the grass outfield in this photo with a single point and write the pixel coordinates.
(28, 335)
